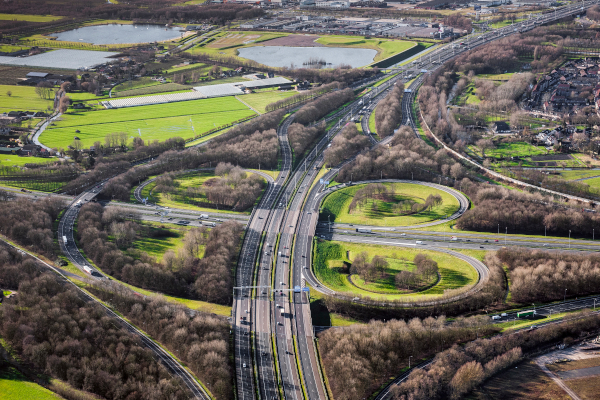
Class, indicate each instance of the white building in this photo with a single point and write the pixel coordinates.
(332, 4)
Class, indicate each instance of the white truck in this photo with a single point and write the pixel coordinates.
(282, 311)
(64, 239)
(87, 269)
(203, 216)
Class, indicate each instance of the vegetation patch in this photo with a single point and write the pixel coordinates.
(341, 267)
(388, 204)
(234, 191)
(22, 98)
(154, 122)
(14, 386)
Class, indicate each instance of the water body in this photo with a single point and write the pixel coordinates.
(117, 34)
(284, 56)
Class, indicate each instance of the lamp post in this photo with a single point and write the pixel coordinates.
(409, 362)
(505, 235)
(565, 296)
(569, 238)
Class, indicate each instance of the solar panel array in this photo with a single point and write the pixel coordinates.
(158, 99)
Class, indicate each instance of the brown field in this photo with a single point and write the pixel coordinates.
(576, 364)
(294, 40)
(586, 388)
(232, 39)
(527, 381)
(11, 75)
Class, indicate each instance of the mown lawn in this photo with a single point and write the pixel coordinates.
(329, 258)
(154, 122)
(573, 175)
(157, 246)
(14, 386)
(23, 98)
(521, 149)
(336, 205)
(260, 100)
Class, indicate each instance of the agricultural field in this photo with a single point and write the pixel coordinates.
(526, 381)
(579, 174)
(22, 98)
(7, 48)
(10, 160)
(153, 122)
(29, 18)
(14, 386)
(260, 100)
(227, 43)
(593, 182)
(380, 213)
(331, 261)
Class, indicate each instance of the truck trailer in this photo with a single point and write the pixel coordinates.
(526, 314)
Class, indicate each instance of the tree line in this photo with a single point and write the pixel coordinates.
(499, 208)
(301, 137)
(458, 370)
(323, 105)
(52, 327)
(199, 339)
(183, 273)
(427, 271)
(543, 276)
(345, 145)
(388, 113)
(302, 96)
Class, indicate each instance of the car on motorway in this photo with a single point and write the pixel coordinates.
(244, 365)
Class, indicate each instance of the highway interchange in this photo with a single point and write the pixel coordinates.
(276, 252)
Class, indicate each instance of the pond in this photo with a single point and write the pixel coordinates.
(308, 57)
(118, 34)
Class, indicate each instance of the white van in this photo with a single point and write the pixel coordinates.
(419, 242)
(495, 317)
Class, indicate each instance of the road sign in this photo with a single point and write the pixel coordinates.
(306, 289)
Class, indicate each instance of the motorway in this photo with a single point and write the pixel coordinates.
(306, 223)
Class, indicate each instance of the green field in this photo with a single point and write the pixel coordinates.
(337, 204)
(171, 238)
(579, 174)
(14, 386)
(30, 18)
(593, 183)
(329, 258)
(23, 98)
(154, 122)
(372, 126)
(9, 160)
(178, 199)
(260, 100)
(385, 47)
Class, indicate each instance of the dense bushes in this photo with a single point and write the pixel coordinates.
(61, 334)
(523, 212)
(184, 274)
(359, 358)
(544, 276)
(322, 106)
(593, 13)
(345, 145)
(201, 341)
(301, 137)
(408, 158)
(388, 113)
(30, 223)
(456, 371)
